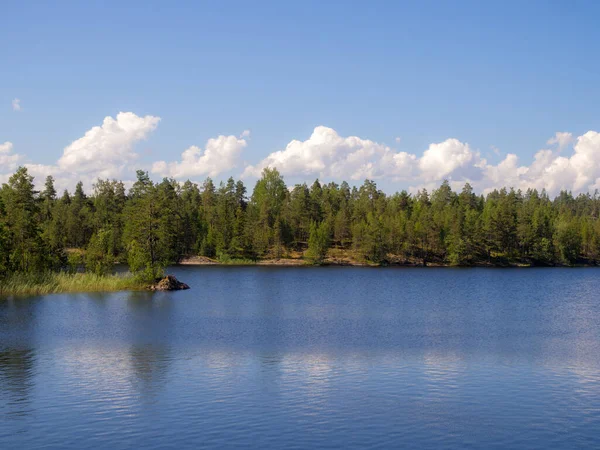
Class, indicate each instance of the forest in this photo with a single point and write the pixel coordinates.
(152, 225)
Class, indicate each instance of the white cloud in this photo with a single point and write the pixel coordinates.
(221, 154)
(8, 159)
(439, 161)
(562, 139)
(398, 140)
(577, 173)
(327, 154)
(505, 173)
(6, 148)
(106, 150)
(16, 104)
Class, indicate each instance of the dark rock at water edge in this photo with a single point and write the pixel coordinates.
(168, 283)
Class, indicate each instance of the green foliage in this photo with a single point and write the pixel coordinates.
(27, 251)
(226, 259)
(270, 194)
(318, 242)
(74, 261)
(78, 222)
(370, 239)
(156, 224)
(99, 257)
(4, 243)
(58, 282)
(152, 226)
(141, 265)
(568, 240)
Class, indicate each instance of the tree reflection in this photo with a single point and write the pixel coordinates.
(16, 379)
(149, 365)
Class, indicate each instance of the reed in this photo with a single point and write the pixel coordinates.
(59, 282)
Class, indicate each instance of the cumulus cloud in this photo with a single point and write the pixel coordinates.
(327, 154)
(560, 138)
(6, 148)
(16, 104)
(8, 159)
(578, 173)
(220, 154)
(441, 160)
(506, 173)
(106, 150)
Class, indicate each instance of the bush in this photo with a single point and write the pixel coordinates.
(100, 258)
(140, 264)
(74, 262)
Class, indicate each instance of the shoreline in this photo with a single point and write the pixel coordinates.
(347, 262)
(61, 283)
(74, 283)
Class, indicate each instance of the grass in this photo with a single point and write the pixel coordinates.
(237, 262)
(225, 259)
(52, 283)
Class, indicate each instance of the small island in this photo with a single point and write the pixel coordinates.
(168, 283)
(71, 242)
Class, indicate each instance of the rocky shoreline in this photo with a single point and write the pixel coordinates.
(168, 283)
(347, 261)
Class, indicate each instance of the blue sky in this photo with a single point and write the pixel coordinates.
(491, 75)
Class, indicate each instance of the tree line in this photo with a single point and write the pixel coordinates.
(154, 224)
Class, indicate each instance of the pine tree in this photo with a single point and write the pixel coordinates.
(318, 242)
(28, 253)
(4, 243)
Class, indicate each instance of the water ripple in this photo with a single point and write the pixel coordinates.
(303, 358)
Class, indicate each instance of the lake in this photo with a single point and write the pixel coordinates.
(301, 357)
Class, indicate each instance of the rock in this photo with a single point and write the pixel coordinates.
(198, 260)
(169, 283)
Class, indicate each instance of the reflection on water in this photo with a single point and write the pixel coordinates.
(16, 380)
(308, 358)
(150, 366)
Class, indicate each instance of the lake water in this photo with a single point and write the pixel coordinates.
(293, 357)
